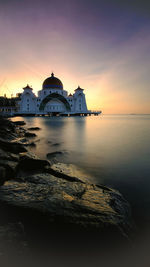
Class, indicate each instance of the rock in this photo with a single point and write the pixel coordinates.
(30, 144)
(71, 170)
(28, 163)
(2, 175)
(10, 168)
(26, 142)
(13, 147)
(6, 155)
(23, 140)
(56, 144)
(66, 206)
(7, 129)
(28, 134)
(34, 129)
(7, 124)
(19, 123)
(54, 154)
(60, 174)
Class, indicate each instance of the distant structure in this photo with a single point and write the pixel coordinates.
(52, 100)
(8, 106)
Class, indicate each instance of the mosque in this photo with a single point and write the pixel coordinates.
(52, 100)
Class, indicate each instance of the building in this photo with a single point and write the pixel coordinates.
(8, 106)
(52, 99)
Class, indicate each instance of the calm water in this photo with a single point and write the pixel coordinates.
(112, 149)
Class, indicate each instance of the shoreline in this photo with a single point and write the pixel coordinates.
(63, 205)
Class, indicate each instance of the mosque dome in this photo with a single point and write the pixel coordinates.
(52, 83)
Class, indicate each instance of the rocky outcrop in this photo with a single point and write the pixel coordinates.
(7, 129)
(71, 204)
(13, 147)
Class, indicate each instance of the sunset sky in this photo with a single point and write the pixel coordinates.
(103, 46)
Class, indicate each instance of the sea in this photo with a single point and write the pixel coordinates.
(113, 150)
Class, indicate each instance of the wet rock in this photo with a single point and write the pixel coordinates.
(54, 154)
(19, 123)
(28, 134)
(71, 170)
(26, 142)
(56, 144)
(23, 140)
(29, 163)
(70, 205)
(7, 129)
(34, 129)
(32, 144)
(62, 175)
(13, 147)
(7, 124)
(7, 134)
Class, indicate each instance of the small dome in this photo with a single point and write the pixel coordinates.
(52, 82)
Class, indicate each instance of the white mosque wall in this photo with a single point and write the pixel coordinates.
(79, 102)
(30, 103)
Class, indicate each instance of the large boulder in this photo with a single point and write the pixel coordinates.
(62, 204)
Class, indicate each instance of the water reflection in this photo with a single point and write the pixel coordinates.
(54, 122)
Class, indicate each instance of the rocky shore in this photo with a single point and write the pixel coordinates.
(42, 206)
